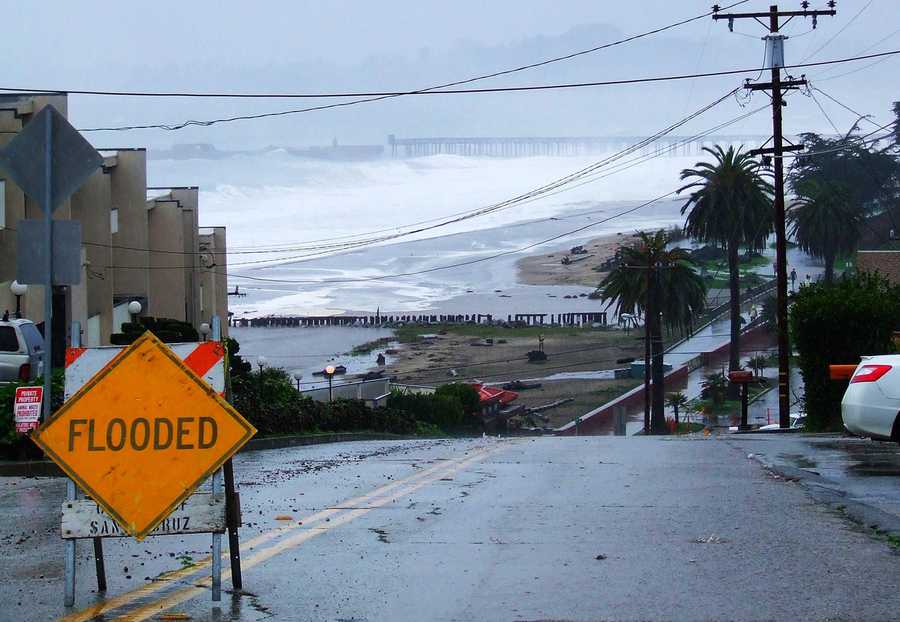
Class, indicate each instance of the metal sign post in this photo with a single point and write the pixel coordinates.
(49, 160)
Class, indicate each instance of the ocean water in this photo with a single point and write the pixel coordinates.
(273, 199)
(306, 350)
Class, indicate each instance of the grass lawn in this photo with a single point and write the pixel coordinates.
(607, 394)
(748, 279)
(727, 407)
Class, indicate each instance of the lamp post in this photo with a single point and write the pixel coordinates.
(298, 377)
(329, 372)
(134, 309)
(261, 362)
(18, 290)
(204, 331)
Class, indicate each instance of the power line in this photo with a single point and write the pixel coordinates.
(389, 94)
(585, 175)
(424, 271)
(825, 76)
(625, 165)
(856, 141)
(545, 190)
(595, 176)
(838, 33)
(845, 106)
(478, 78)
(812, 96)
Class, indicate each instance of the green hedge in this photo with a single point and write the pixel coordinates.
(270, 402)
(166, 329)
(837, 324)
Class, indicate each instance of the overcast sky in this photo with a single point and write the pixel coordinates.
(397, 44)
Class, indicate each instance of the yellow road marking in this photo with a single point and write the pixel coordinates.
(185, 594)
(166, 579)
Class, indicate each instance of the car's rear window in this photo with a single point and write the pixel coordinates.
(33, 337)
(8, 340)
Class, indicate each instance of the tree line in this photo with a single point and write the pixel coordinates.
(841, 187)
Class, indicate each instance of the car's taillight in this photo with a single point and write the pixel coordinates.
(25, 372)
(870, 373)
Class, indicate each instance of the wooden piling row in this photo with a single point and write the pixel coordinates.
(373, 320)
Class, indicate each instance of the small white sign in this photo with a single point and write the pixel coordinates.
(27, 408)
(202, 512)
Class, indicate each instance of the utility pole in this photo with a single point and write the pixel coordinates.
(777, 86)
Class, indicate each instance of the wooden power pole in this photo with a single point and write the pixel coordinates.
(777, 87)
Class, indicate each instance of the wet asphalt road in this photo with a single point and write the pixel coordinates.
(590, 528)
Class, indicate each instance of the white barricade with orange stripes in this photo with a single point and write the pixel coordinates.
(206, 359)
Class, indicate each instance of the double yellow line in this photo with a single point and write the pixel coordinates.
(307, 528)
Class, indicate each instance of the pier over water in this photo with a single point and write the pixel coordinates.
(525, 146)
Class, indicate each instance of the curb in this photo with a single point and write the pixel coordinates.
(47, 468)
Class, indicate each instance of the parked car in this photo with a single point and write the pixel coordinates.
(21, 351)
(871, 404)
(798, 422)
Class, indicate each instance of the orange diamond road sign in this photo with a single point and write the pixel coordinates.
(142, 434)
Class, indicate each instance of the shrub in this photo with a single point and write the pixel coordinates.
(714, 388)
(838, 323)
(465, 393)
(166, 329)
(269, 401)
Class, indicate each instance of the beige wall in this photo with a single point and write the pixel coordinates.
(213, 279)
(154, 255)
(128, 188)
(188, 200)
(91, 206)
(167, 274)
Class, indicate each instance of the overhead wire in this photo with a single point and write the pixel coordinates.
(468, 214)
(470, 80)
(841, 30)
(388, 94)
(593, 177)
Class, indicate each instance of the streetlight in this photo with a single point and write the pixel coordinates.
(329, 372)
(261, 361)
(298, 377)
(134, 309)
(204, 331)
(18, 290)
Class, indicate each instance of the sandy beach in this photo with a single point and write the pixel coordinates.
(429, 362)
(547, 268)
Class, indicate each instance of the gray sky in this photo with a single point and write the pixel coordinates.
(343, 44)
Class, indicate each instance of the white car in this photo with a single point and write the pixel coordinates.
(871, 404)
(21, 351)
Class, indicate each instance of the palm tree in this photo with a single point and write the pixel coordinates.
(825, 222)
(730, 206)
(676, 401)
(662, 285)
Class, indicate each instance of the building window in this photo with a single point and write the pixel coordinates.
(114, 220)
(2, 204)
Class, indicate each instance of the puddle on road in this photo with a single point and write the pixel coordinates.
(799, 460)
(866, 458)
(855, 457)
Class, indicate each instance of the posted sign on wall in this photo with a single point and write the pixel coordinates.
(27, 408)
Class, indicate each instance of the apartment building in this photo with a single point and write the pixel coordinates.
(135, 245)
